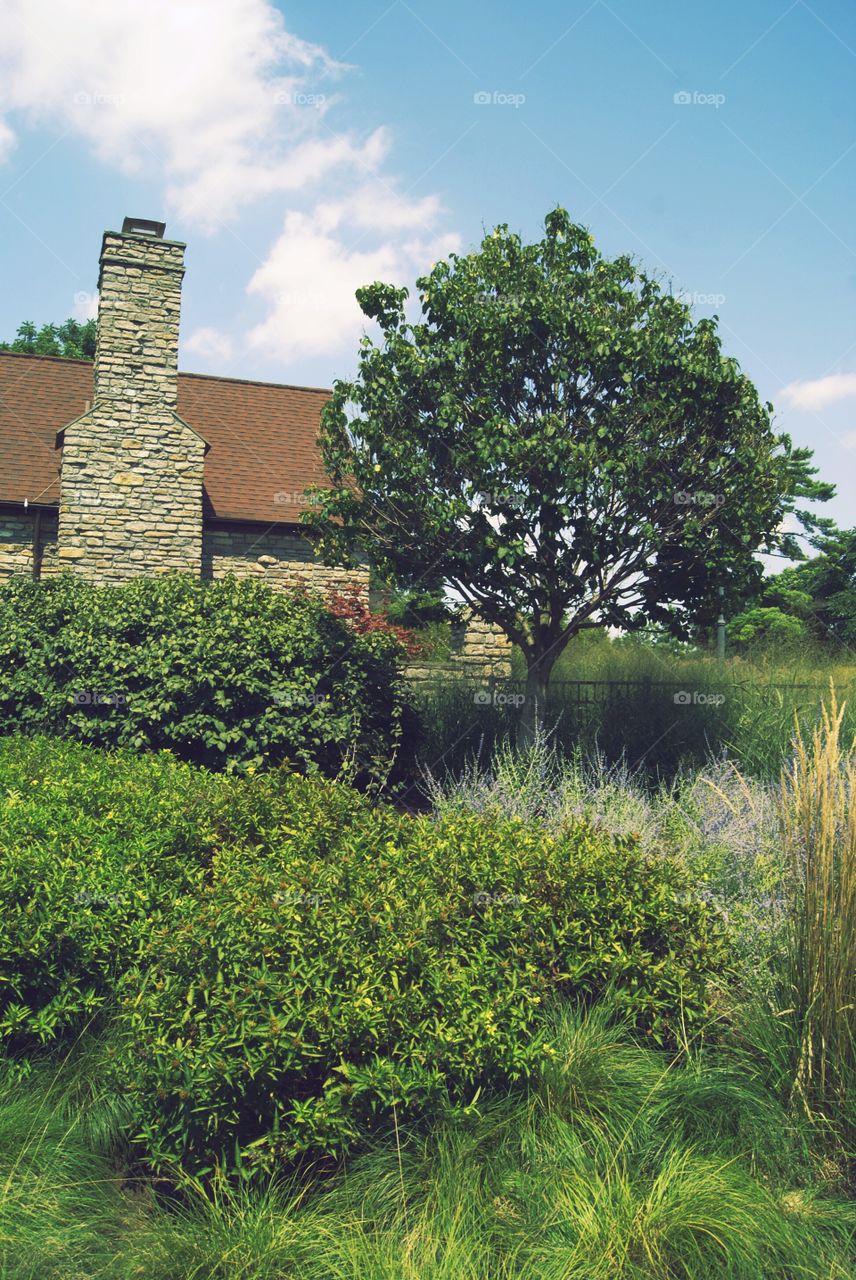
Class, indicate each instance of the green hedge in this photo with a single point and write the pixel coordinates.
(225, 674)
(284, 962)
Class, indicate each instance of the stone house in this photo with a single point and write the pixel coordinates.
(127, 467)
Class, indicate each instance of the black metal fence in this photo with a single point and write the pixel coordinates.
(593, 692)
(659, 724)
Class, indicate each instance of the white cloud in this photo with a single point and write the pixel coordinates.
(310, 278)
(209, 343)
(849, 440)
(820, 392)
(379, 207)
(226, 107)
(221, 100)
(7, 141)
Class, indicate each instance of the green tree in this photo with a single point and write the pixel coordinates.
(822, 588)
(558, 442)
(766, 625)
(74, 340)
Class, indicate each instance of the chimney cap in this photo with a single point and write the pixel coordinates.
(143, 227)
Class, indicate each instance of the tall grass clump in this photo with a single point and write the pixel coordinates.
(621, 1162)
(62, 1214)
(818, 833)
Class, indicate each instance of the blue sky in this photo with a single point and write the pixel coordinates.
(301, 149)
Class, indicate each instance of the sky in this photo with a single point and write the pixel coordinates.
(303, 149)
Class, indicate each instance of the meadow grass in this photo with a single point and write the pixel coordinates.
(731, 1156)
(622, 1163)
(676, 710)
(778, 859)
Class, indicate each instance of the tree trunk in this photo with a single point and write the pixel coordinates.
(535, 701)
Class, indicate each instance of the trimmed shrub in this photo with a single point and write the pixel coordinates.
(322, 978)
(96, 847)
(226, 674)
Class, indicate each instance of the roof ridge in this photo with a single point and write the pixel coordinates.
(33, 355)
(257, 382)
(211, 377)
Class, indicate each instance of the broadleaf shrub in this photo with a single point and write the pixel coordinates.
(226, 674)
(318, 979)
(95, 847)
(283, 960)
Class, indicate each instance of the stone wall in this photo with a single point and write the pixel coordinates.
(281, 558)
(16, 544)
(479, 651)
(131, 479)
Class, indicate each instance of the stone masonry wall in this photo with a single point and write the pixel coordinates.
(16, 545)
(139, 307)
(282, 559)
(479, 651)
(131, 479)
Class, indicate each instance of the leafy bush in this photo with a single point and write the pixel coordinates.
(93, 849)
(226, 674)
(352, 605)
(284, 962)
(323, 977)
(767, 626)
(720, 824)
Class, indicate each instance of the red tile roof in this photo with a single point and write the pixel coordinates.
(262, 435)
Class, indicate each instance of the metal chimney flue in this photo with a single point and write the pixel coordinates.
(143, 227)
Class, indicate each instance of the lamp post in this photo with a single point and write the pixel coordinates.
(720, 627)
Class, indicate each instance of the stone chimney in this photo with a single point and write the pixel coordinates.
(131, 473)
(139, 305)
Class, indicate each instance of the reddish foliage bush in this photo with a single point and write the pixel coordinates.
(351, 605)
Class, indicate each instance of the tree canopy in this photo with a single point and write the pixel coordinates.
(556, 441)
(819, 593)
(74, 340)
